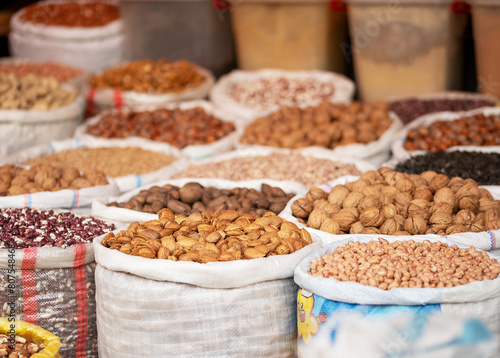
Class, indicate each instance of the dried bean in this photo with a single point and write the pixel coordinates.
(479, 166)
(148, 76)
(177, 127)
(411, 108)
(22, 228)
(386, 265)
(477, 130)
(72, 14)
(194, 198)
(328, 125)
(307, 170)
(112, 161)
(61, 73)
(266, 93)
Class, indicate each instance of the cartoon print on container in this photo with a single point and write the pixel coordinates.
(307, 323)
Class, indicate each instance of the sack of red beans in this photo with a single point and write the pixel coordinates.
(447, 130)
(47, 274)
(364, 297)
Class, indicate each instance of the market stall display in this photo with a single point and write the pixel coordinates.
(69, 33)
(52, 253)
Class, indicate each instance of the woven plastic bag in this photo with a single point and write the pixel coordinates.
(36, 334)
(194, 152)
(124, 183)
(53, 288)
(486, 240)
(92, 49)
(220, 94)
(401, 322)
(243, 308)
(99, 100)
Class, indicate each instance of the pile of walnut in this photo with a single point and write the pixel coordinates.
(22, 348)
(327, 125)
(406, 264)
(392, 203)
(33, 93)
(16, 180)
(209, 236)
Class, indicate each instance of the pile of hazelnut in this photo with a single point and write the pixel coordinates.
(392, 203)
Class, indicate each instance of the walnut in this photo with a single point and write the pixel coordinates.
(316, 194)
(359, 185)
(464, 217)
(302, 208)
(371, 190)
(368, 202)
(389, 210)
(445, 207)
(401, 233)
(485, 194)
(345, 219)
(445, 195)
(338, 194)
(371, 217)
(440, 220)
(385, 171)
(400, 219)
(353, 211)
(372, 177)
(356, 228)
(390, 191)
(469, 202)
(491, 215)
(487, 204)
(423, 192)
(330, 226)
(16, 190)
(455, 229)
(405, 185)
(428, 175)
(70, 174)
(390, 226)
(415, 225)
(418, 180)
(494, 225)
(402, 199)
(320, 204)
(469, 189)
(352, 199)
(455, 183)
(476, 227)
(51, 183)
(40, 177)
(370, 231)
(316, 218)
(438, 181)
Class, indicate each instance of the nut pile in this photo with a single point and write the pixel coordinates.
(411, 108)
(480, 166)
(72, 14)
(328, 125)
(149, 76)
(33, 93)
(23, 348)
(309, 171)
(475, 130)
(209, 237)
(265, 93)
(392, 203)
(195, 198)
(177, 127)
(406, 264)
(46, 177)
(61, 73)
(22, 228)
(111, 161)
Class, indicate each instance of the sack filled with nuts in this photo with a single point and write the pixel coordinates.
(187, 196)
(56, 31)
(194, 271)
(411, 108)
(355, 130)
(52, 186)
(308, 166)
(27, 340)
(415, 298)
(35, 110)
(387, 203)
(247, 95)
(194, 127)
(47, 274)
(449, 130)
(130, 162)
(147, 83)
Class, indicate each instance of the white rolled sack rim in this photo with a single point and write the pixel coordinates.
(63, 33)
(230, 274)
(399, 151)
(194, 152)
(220, 93)
(357, 293)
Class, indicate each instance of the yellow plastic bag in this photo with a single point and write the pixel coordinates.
(37, 334)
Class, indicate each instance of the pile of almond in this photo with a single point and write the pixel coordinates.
(392, 203)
